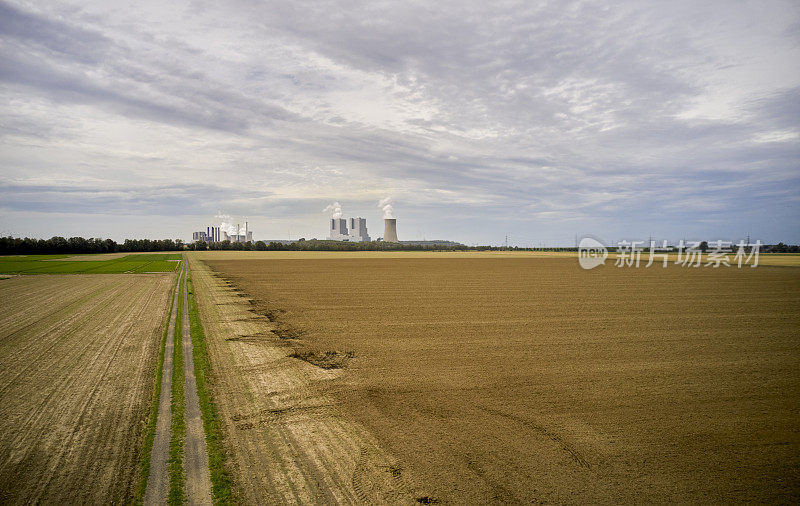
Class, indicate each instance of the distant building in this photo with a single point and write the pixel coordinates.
(338, 231)
(212, 234)
(356, 233)
(216, 234)
(390, 230)
(358, 230)
(243, 234)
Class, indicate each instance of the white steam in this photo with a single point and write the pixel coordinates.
(335, 210)
(388, 207)
(226, 224)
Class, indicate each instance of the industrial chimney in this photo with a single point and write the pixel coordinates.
(390, 230)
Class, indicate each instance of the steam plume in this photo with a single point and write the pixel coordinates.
(335, 210)
(387, 206)
(226, 224)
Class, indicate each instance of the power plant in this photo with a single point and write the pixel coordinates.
(390, 230)
(215, 234)
(341, 229)
(357, 232)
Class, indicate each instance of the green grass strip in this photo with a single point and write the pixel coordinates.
(150, 429)
(212, 425)
(177, 477)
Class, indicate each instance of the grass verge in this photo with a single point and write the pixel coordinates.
(220, 478)
(177, 477)
(150, 429)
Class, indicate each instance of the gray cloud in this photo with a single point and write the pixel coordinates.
(616, 116)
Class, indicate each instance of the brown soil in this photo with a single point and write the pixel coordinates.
(78, 357)
(287, 441)
(520, 379)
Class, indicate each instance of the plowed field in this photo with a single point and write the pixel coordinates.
(77, 365)
(529, 379)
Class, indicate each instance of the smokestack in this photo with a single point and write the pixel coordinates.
(390, 230)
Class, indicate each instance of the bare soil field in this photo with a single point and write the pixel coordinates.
(287, 441)
(78, 357)
(521, 379)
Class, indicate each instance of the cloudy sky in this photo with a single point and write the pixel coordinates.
(536, 120)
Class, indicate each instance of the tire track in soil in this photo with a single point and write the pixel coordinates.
(109, 354)
(158, 478)
(288, 440)
(19, 293)
(64, 370)
(51, 336)
(195, 459)
(70, 408)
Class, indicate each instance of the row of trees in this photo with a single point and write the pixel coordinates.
(325, 245)
(781, 248)
(319, 245)
(60, 245)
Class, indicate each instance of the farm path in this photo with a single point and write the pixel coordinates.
(198, 478)
(158, 479)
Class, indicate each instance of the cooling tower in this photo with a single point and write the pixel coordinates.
(390, 230)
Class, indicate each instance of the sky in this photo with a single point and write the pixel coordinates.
(535, 121)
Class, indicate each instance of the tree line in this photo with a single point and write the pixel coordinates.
(318, 245)
(328, 245)
(61, 245)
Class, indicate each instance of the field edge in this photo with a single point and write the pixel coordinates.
(221, 485)
(150, 429)
(177, 475)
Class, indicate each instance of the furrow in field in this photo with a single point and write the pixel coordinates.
(51, 331)
(61, 348)
(72, 420)
(46, 291)
(96, 376)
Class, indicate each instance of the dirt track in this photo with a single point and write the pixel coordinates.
(78, 357)
(158, 479)
(517, 380)
(287, 442)
(195, 460)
